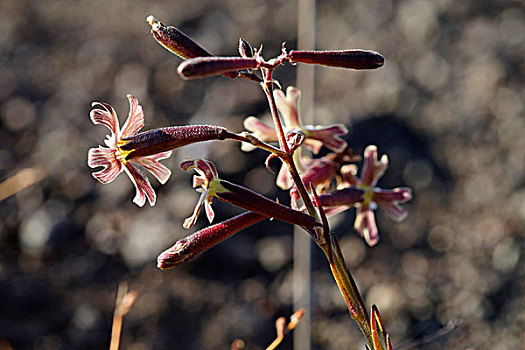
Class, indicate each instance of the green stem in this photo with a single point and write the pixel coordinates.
(342, 276)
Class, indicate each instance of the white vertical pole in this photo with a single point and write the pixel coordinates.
(302, 241)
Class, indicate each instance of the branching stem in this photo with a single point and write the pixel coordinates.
(342, 276)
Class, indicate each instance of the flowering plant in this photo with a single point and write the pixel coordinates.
(318, 186)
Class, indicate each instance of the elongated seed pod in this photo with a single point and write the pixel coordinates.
(355, 59)
(346, 196)
(250, 200)
(175, 41)
(202, 240)
(207, 66)
(179, 43)
(165, 139)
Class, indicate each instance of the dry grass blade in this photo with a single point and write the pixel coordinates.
(123, 304)
(282, 328)
(21, 180)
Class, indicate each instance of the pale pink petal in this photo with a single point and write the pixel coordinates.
(142, 186)
(367, 173)
(135, 120)
(314, 145)
(210, 214)
(261, 130)
(331, 211)
(105, 116)
(380, 168)
(151, 163)
(104, 157)
(400, 194)
(393, 210)
(190, 221)
(365, 224)
(330, 136)
(284, 179)
(348, 175)
(320, 172)
(206, 169)
(288, 106)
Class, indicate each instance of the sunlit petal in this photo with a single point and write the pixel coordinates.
(365, 224)
(106, 116)
(151, 163)
(288, 106)
(104, 157)
(260, 129)
(284, 179)
(190, 221)
(330, 136)
(142, 186)
(394, 210)
(135, 120)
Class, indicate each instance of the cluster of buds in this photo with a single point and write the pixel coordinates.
(318, 186)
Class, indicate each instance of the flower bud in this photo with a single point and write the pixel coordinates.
(355, 59)
(179, 43)
(165, 139)
(207, 66)
(187, 248)
(175, 41)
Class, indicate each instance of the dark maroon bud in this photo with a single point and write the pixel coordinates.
(207, 66)
(165, 139)
(355, 59)
(245, 49)
(189, 247)
(253, 201)
(175, 41)
(179, 43)
(346, 196)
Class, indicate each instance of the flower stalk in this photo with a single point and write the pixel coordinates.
(130, 151)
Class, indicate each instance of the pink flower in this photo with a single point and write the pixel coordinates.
(370, 198)
(210, 185)
(288, 106)
(316, 136)
(114, 159)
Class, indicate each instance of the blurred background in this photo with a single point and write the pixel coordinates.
(447, 108)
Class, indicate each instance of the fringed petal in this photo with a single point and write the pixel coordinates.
(365, 225)
(372, 168)
(330, 136)
(284, 179)
(288, 105)
(210, 214)
(142, 186)
(190, 221)
(260, 129)
(105, 116)
(314, 145)
(206, 169)
(104, 157)
(400, 194)
(151, 163)
(331, 211)
(394, 210)
(135, 120)
(348, 175)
